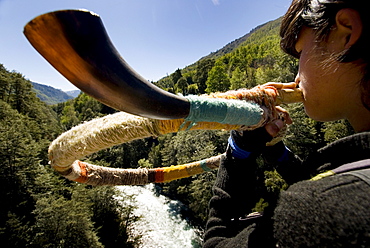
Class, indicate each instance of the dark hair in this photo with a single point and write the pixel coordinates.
(320, 15)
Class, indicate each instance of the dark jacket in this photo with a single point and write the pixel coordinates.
(330, 212)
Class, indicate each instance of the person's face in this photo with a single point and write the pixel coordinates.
(328, 88)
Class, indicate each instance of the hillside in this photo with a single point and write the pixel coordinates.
(232, 45)
(50, 95)
(252, 59)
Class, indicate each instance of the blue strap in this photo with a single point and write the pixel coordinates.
(237, 152)
(285, 156)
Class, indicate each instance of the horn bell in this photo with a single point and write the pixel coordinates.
(76, 44)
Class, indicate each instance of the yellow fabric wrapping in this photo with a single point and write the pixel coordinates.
(182, 171)
(322, 175)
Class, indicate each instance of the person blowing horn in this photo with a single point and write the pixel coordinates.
(330, 38)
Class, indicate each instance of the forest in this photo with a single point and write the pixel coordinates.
(42, 209)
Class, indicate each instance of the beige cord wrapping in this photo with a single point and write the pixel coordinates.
(98, 134)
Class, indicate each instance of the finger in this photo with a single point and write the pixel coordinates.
(280, 86)
(284, 115)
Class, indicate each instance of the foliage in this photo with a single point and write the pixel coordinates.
(218, 79)
(40, 209)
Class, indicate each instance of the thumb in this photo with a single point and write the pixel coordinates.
(274, 127)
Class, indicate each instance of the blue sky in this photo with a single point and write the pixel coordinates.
(155, 37)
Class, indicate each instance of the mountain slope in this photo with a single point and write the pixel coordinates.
(50, 95)
(73, 93)
(233, 45)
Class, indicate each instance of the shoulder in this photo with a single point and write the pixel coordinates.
(333, 208)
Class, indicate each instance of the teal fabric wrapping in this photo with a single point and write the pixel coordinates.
(225, 111)
(204, 166)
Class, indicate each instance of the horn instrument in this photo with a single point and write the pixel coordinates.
(77, 45)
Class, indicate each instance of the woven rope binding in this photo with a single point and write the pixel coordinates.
(118, 128)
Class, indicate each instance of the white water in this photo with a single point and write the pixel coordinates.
(161, 225)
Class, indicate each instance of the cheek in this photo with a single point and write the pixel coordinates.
(312, 75)
(321, 102)
(309, 79)
(315, 91)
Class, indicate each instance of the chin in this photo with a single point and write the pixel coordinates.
(318, 115)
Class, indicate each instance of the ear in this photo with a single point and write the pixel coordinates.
(349, 26)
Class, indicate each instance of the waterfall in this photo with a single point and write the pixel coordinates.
(161, 225)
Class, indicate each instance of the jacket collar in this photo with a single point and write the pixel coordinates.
(346, 150)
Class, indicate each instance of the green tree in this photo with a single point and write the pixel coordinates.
(336, 129)
(68, 118)
(193, 89)
(218, 79)
(87, 107)
(22, 94)
(198, 194)
(251, 78)
(19, 166)
(203, 66)
(15, 231)
(182, 86)
(176, 76)
(238, 79)
(5, 85)
(63, 223)
(114, 219)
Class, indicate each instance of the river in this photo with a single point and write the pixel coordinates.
(161, 225)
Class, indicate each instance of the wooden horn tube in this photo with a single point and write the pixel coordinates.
(76, 44)
(287, 96)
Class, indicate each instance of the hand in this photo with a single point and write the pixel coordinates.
(246, 143)
(275, 126)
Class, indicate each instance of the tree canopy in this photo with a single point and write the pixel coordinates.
(39, 208)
